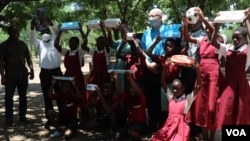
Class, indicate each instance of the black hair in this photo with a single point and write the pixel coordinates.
(12, 29)
(46, 30)
(176, 44)
(242, 30)
(75, 38)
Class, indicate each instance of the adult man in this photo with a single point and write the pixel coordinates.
(49, 61)
(14, 54)
(152, 85)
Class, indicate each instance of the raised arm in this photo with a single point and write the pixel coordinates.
(85, 40)
(247, 12)
(105, 36)
(163, 75)
(151, 48)
(186, 33)
(33, 39)
(197, 87)
(57, 40)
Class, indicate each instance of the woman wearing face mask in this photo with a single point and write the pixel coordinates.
(49, 61)
(151, 80)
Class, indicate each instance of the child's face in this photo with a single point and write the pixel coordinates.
(100, 44)
(178, 88)
(73, 44)
(170, 47)
(238, 39)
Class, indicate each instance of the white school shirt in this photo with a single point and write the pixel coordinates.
(225, 47)
(80, 51)
(91, 52)
(189, 99)
(49, 57)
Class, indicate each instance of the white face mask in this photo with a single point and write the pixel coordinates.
(46, 37)
(153, 21)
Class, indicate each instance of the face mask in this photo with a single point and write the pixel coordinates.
(46, 37)
(153, 22)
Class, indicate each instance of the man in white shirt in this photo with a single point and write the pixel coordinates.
(49, 61)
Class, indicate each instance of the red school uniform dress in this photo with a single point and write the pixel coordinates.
(204, 109)
(99, 74)
(176, 126)
(68, 104)
(73, 68)
(234, 101)
(136, 108)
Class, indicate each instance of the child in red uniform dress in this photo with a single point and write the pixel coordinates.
(135, 60)
(108, 108)
(233, 107)
(135, 103)
(73, 61)
(68, 99)
(204, 109)
(169, 71)
(100, 58)
(176, 126)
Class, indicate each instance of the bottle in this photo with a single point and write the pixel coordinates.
(69, 26)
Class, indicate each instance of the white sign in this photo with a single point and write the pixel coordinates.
(236, 16)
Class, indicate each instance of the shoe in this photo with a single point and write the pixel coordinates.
(10, 123)
(24, 120)
(56, 134)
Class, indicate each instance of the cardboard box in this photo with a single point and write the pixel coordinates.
(236, 16)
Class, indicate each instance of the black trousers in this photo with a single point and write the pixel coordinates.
(45, 78)
(152, 90)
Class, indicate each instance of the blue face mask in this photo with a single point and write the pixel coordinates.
(153, 22)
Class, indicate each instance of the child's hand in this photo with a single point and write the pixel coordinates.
(102, 24)
(113, 75)
(198, 11)
(80, 26)
(158, 39)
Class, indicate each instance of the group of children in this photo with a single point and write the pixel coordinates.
(218, 99)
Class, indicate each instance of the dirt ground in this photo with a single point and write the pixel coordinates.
(36, 131)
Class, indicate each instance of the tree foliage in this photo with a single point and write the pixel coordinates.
(131, 12)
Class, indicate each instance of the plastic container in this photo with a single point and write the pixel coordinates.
(192, 16)
(112, 22)
(63, 78)
(94, 24)
(41, 19)
(69, 26)
(91, 87)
